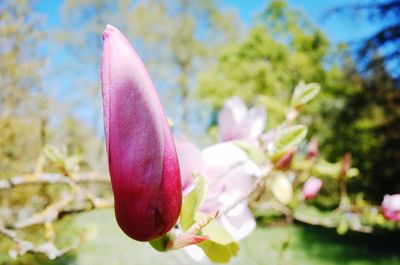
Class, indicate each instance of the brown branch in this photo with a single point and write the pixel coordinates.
(60, 208)
(49, 214)
(329, 223)
(50, 178)
(54, 211)
(22, 246)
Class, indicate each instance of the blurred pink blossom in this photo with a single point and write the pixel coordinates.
(236, 122)
(286, 160)
(391, 207)
(313, 150)
(229, 173)
(190, 161)
(311, 188)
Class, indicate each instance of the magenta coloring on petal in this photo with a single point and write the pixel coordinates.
(142, 159)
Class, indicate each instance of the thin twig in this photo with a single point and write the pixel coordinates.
(245, 196)
(49, 178)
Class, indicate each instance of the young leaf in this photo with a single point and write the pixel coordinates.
(54, 154)
(160, 244)
(343, 227)
(192, 202)
(303, 93)
(252, 151)
(286, 139)
(325, 168)
(273, 105)
(221, 246)
(219, 253)
(72, 161)
(217, 233)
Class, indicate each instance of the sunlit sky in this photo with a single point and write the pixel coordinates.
(336, 28)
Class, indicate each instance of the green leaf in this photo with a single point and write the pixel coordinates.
(217, 234)
(54, 154)
(273, 105)
(160, 244)
(221, 246)
(220, 253)
(192, 202)
(325, 168)
(343, 227)
(353, 172)
(287, 138)
(252, 151)
(303, 93)
(72, 161)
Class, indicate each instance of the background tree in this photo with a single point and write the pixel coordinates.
(79, 36)
(178, 38)
(281, 50)
(22, 102)
(368, 125)
(385, 40)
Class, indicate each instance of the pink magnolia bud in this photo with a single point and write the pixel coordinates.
(313, 150)
(312, 187)
(286, 160)
(391, 207)
(345, 164)
(142, 159)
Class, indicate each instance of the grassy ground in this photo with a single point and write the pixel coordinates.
(293, 245)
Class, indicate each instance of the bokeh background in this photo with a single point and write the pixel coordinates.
(200, 53)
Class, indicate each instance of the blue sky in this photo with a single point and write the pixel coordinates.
(337, 29)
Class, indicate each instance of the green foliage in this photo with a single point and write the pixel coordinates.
(19, 145)
(368, 127)
(287, 138)
(160, 243)
(278, 52)
(356, 113)
(343, 227)
(219, 253)
(61, 160)
(303, 93)
(183, 51)
(21, 101)
(254, 153)
(220, 247)
(192, 202)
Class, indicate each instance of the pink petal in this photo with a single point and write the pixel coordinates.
(190, 160)
(228, 170)
(391, 207)
(254, 124)
(230, 118)
(227, 164)
(312, 187)
(239, 221)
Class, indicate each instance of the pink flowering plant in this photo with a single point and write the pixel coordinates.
(225, 186)
(174, 194)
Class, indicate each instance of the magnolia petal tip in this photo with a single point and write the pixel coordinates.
(109, 28)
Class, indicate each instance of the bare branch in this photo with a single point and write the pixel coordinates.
(50, 178)
(49, 214)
